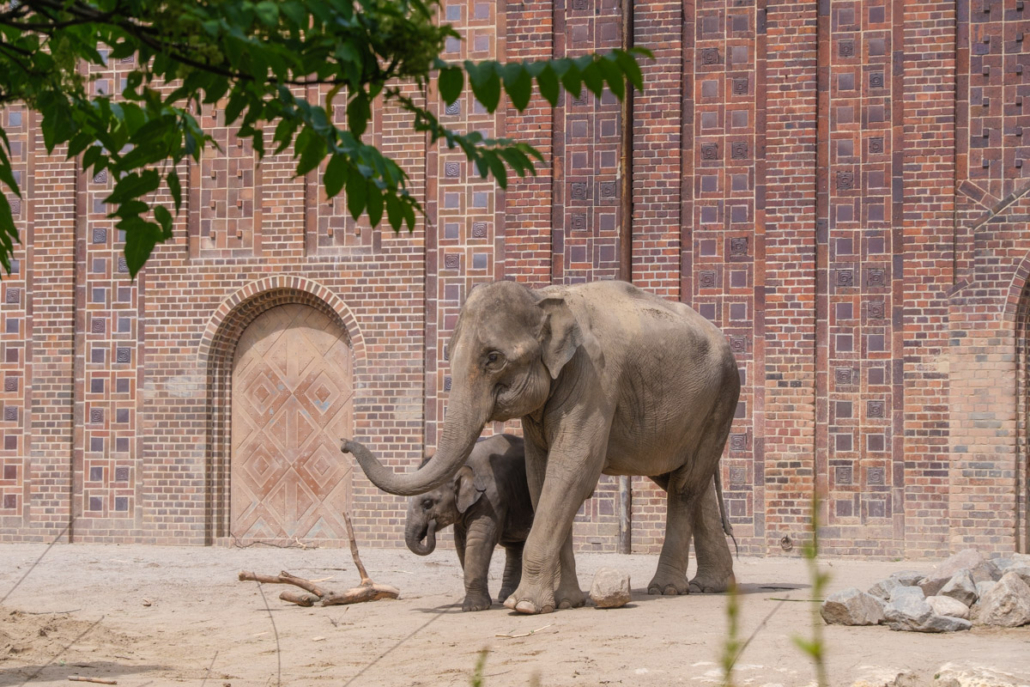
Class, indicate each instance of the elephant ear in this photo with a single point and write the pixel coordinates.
(561, 334)
(465, 491)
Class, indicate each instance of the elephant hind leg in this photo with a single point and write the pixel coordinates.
(670, 578)
(714, 562)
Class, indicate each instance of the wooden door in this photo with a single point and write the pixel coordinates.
(292, 401)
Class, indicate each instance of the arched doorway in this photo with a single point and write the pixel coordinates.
(1023, 421)
(292, 401)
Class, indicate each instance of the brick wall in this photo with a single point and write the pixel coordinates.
(839, 186)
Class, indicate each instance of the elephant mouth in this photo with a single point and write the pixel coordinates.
(425, 544)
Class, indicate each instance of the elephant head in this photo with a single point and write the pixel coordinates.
(439, 508)
(508, 346)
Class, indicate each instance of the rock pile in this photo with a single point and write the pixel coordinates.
(965, 590)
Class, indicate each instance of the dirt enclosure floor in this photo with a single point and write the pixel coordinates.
(159, 615)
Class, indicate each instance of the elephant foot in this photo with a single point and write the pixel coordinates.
(668, 585)
(571, 598)
(529, 602)
(711, 583)
(476, 602)
(504, 594)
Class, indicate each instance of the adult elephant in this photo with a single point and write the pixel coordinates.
(606, 378)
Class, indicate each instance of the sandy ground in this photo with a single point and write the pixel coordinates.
(161, 615)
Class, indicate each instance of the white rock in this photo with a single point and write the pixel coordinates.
(1007, 604)
(952, 675)
(909, 611)
(1021, 569)
(983, 587)
(610, 588)
(949, 606)
(883, 588)
(908, 578)
(852, 607)
(980, 569)
(961, 587)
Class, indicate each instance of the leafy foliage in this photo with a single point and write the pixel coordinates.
(255, 57)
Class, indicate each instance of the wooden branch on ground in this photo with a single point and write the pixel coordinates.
(284, 578)
(366, 591)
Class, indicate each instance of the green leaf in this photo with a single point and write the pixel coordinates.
(519, 85)
(311, 154)
(409, 213)
(547, 80)
(358, 113)
(140, 239)
(573, 81)
(613, 76)
(296, 13)
(356, 195)
(394, 213)
(267, 13)
(374, 203)
(175, 188)
(593, 79)
(335, 175)
(7, 176)
(486, 84)
(630, 68)
(134, 185)
(164, 217)
(452, 80)
(497, 168)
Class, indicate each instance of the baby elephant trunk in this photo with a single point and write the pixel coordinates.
(415, 535)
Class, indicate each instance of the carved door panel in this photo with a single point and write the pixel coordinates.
(292, 401)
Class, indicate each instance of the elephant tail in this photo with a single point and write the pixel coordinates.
(726, 527)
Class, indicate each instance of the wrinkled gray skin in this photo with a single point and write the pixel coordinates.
(606, 378)
(488, 503)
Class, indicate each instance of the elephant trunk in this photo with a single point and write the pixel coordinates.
(460, 432)
(413, 538)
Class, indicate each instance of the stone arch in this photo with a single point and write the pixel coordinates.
(216, 354)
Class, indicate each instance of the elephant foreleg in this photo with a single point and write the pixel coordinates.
(480, 540)
(512, 570)
(573, 467)
(459, 543)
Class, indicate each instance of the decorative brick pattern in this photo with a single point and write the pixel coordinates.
(857, 238)
(111, 304)
(839, 187)
(330, 228)
(225, 203)
(14, 311)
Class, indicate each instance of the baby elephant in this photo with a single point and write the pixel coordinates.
(488, 504)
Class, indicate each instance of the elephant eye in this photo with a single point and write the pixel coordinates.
(427, 504)
(494, 360)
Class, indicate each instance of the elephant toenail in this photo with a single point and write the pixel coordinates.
(526, 607)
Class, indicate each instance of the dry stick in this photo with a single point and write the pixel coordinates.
(368, 590)
(299, 598)
(98, 680)
(365, 579)
(283, 578)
